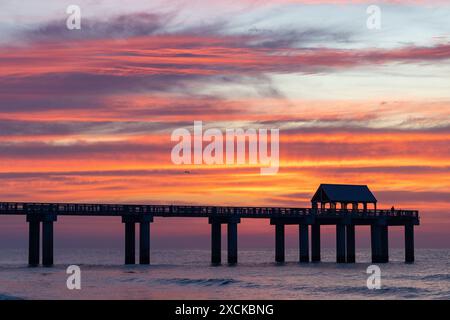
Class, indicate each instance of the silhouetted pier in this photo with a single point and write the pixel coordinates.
(324, 211)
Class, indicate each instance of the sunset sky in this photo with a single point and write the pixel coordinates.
(86, 115)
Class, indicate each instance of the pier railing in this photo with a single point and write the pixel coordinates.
(182, 210)
(368, 213)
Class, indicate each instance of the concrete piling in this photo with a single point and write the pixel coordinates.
(130, 239)
(216, 245)
(304, 243)
(409, 243)
(315, 242)
(33, 242)
(350, 237)
(232, 243)
(279, 242)
(47, 243)
(340, 243)
(144, 242)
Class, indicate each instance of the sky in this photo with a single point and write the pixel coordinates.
(86, 115)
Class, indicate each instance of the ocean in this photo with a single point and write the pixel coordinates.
(187, 274)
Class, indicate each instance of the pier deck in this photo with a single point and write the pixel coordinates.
(345, 220)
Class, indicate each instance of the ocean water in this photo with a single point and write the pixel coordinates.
(187, 274)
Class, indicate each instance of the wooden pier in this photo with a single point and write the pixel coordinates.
(324, 211)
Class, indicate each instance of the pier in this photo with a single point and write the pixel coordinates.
(343, 206)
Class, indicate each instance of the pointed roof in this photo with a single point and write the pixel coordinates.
(343, 193)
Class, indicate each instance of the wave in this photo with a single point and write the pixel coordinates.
(403, 292)
(198, 282)
(9, 297)
(437, 277)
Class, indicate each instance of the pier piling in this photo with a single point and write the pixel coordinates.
(216, 240)
(375, 237)
(144, 242)
(409, 243)
(144, 238)
(304, 242)
(350, 233)
(33, 241)
(47, 240)
(130, 239)
(232, 243)
(279, 242)
(384, 244)
(340, 243)
(315, 242)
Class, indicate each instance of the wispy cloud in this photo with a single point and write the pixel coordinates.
(86, 115)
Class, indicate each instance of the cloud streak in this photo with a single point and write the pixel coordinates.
(87, 116)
